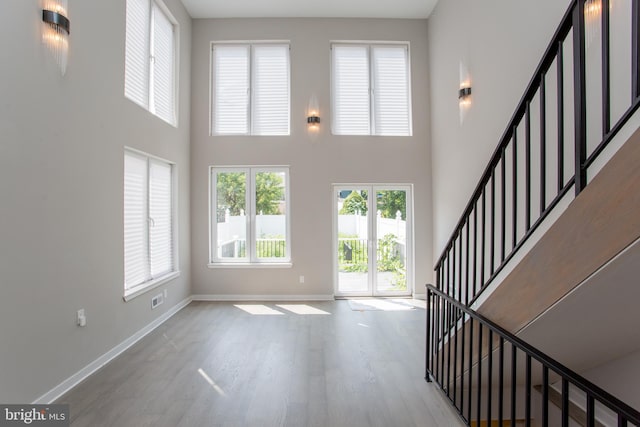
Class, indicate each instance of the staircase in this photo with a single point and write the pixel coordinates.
(554, 217)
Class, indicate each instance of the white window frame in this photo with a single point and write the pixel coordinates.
(370, 46)
(153, 282)
(149, 103)
(250, 44)
(251, 260)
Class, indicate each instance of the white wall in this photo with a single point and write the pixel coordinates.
(61, 180)
(501, 44)
(315, 163)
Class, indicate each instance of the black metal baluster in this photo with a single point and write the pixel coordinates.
(527, 407)
(489, 375)
(475, 248)
(621, 421)
(503, 211)
(450, 316)
(427, 358)
(591, 411)
(606, 80)
(493, 223)
(527, 167)
(514, 374)
(579, 97)
(463, 328)
(560, 100)
(543, 144)
(545, 396)
(460, 268)
(443, 310)
(635, 50)
(501, 383)
(565, 403)
(466, 261)
(515, 188)
(470, 367)
(484, 237)
(455, 358)
(479, 393)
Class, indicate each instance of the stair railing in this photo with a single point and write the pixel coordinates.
(478, 355)
(539, 158)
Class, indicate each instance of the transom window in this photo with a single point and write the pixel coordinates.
(150, 58)
(250, 85)
(250, 215)
(371, 89)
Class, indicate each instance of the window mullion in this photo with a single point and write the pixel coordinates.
(250, 102)
(147, 213)
(372, 93)
(150, 52)
(251, 215)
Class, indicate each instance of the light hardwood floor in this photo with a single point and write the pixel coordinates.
(215, 364)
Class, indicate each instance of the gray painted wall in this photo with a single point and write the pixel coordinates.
(61, 179)
(501, 44)
(315, 163)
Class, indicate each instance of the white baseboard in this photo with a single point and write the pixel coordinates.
(420, 296)
(262, 297)
(92, 367)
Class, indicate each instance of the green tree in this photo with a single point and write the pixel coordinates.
(269, 192)
(392, 201)
(355, 202)
(231, 190)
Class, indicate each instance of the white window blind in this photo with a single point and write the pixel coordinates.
(231, 90)
(150, 58)
(351, 105)
(163, 63)
(251, 90)
(270, 90)
(371, 89)
(135, 220)
(160, 219)
(136, 62)
(391, 90)
(148, 220)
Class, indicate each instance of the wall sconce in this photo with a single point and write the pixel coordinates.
(313, 118)
(56, 30)
(464, 94)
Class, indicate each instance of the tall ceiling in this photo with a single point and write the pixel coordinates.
(416, 9)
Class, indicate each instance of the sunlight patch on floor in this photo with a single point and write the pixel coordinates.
(259, 309)
(302, 309)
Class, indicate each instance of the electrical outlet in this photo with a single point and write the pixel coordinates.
(156, 301)
(301, 279)
(81, 318)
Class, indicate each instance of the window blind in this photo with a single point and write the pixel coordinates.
(371, 89)
(160, 219)
(391, 90)
(350, 84)
(148, 219)
(163, 64)
(231, 89)
(136, 70)
(270, 103)
(135, 220)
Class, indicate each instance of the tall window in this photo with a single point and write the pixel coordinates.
(150, 58)
(250, 215)
(371, 89)
(149, 248)
(250, 86)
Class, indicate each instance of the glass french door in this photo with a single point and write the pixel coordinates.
(372, 240)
